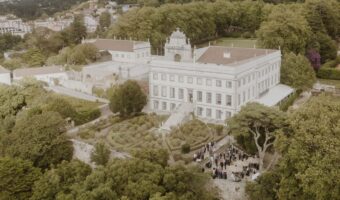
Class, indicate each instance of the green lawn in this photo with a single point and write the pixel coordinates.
(336, 83)
(232, 42)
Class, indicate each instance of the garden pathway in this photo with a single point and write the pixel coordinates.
(231, 190)
(303, 98)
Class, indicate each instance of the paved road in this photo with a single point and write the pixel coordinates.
(76, 94)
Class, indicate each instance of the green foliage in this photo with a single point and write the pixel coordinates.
(332, 63)
(46, 40)
(86, 110)
(101, 154)
(256, 119)
(58, 181)
(158, 23)
(11, 101)
(79, 55)
(104, 22)
(309, 167)
(185, 148)
(60, 105)
(38, 137)
(135, 178)
(17, 178)
(128, 99)
(329, 73)
(34, 57)
(12, 64)
(159, 156)
(323, 16)
(289, 101)
(82, 54)
(265, 187)
(309, 164)
(285, 28)
(328, 47)
(194, 133)
(135, 133)
(32, 9)
(76, 31)
(8, 41)
(297, 72)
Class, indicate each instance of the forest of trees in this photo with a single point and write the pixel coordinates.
(32, 9)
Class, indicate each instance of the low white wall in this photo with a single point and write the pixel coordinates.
(77, 85)
(5, 78)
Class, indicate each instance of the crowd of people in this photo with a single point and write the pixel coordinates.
(232, 161)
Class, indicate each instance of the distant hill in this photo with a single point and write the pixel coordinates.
(32, 9)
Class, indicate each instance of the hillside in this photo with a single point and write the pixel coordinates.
(32, 9)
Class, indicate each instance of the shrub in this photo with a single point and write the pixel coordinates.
(219, 129)
(289, 101)
(329, 73)
(86, 134)
(185, 148)
(86, 116)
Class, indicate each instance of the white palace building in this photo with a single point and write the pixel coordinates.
(213, 82)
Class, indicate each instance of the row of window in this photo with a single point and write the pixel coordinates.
(123, 55)
(199, 95)
(190, 80)
(163, 106)
(261, 87)
(201, 112)
(251, 77)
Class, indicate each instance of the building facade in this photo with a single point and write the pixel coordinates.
(217, 81)
(51, 75)
(14, 27)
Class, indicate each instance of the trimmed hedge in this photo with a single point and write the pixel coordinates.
(85, 116)
(329, 73)
(290, 100)
(185, 148)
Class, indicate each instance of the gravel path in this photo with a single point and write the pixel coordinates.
(231, 190)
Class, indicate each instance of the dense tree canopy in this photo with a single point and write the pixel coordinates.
(11, 101)
(38, 137)
(8, 41)
(323, 16)
(128, 99)
(135, 178)
(285, 28)
(309, 165)
(31, 9)
(297, 72)
(58, 181)
(17, 178)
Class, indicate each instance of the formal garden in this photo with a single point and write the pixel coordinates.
(136, 133)
(193, 135)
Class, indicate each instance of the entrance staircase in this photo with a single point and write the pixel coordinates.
(181, 114)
